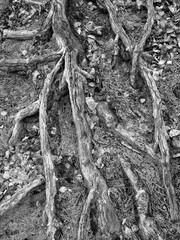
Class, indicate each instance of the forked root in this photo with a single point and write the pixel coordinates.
(110, 120)
(161, 137)
(138, 48)
(108, 220)
(146, 224)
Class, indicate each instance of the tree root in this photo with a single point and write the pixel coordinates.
(161, 138)
(14, 65)
(108, 220)
(21, 35)
(46, 154)
(110, 120)
(146, 224)
(138, 48)
(117, 26)
(9, 204)
(18, 121)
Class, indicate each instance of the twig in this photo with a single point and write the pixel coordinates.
(46, 154)
(160, 137)
(9, 204)
(138, 48)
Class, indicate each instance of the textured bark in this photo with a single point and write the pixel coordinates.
(9, 204)
(14, 65)
(138, 48)
(46, 154)
(108, 221)
(160, 136)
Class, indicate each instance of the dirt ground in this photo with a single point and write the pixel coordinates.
(21, 85)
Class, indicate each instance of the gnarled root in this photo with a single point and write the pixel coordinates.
(14, 65)
(18, 121)
(138, 48)
(46, 154)
(9, 204)
(108, 220)
(112, 123)
(146, 224)
(161, 137)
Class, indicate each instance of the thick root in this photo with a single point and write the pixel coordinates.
(46, 154)
(161, 138)
(108, 220)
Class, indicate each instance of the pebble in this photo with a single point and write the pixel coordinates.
(24, 52)
(142, 100)
(3, 113)
(174, 133)
(6, 175)
(91, 84)
(63, 189)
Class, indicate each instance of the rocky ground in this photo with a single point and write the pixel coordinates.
(102, 163)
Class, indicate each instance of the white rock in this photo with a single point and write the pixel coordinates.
(3, 113)
(174, 133)
(6, 175)
(63, 189)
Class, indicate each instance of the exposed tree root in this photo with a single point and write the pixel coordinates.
(18, 34)
(146, 224)
(108, 220)
(84, 212)
(161, 137)
(9, 204)
(14, 65)
(46, 154)
(18, 121)
(117, 26)
(138, 48)
(112, 123)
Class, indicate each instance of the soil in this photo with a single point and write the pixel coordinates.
(19, 88)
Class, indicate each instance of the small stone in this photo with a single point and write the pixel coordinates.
(79, 178)
(77, 24)
(174, 133)
(3, 113)
(93, 71)
(24, 52)
(91, 84)
(63, 189)
(6, 175)
(142, 100)
(67, 165)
